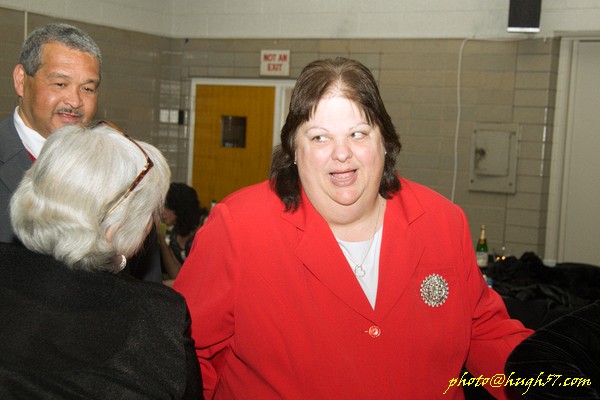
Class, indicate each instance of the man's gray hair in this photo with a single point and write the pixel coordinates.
(68, 35)
(61, 208)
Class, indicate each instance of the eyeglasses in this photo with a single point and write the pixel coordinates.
(141, 175)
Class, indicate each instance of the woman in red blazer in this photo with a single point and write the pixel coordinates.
(337, 279)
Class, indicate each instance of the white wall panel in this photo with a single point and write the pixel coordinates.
(481, 19)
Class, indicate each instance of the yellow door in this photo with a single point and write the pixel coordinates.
(233, 138)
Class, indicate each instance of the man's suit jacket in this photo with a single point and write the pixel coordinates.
(14, 161)
(277, 312)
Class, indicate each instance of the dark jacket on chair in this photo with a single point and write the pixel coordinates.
(563, 358)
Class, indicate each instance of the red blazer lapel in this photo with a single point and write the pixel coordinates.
(320, 253)
(401, 251)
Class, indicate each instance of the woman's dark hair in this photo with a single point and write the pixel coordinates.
(357, 84)
(183, 201)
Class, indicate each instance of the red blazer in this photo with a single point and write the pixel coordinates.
(277, 312)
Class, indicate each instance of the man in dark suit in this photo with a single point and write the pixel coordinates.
(57, 81)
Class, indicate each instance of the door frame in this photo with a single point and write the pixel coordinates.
(283, 89)
(562, 131)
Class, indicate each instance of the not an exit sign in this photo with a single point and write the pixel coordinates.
(275, 62)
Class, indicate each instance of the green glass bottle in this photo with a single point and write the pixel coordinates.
(481, 249)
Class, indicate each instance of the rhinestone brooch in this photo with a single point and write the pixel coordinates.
(434, 290)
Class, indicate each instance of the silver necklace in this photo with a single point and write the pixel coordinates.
(358, 268)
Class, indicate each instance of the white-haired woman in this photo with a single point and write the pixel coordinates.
(72, 326)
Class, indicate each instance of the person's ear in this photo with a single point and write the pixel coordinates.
(110, 232)
(19, 76)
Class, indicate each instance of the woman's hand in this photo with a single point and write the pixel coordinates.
(170, 263)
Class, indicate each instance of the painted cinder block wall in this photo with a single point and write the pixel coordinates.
(501, 81)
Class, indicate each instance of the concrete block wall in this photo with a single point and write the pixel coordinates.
(509, 81)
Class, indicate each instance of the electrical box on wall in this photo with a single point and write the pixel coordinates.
(493, 158)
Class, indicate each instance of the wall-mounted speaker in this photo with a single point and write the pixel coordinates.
(524, 16)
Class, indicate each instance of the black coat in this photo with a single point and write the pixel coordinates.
(562, 358)
(68, 334)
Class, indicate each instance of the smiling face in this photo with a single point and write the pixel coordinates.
(340, 157)
(63, 91)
